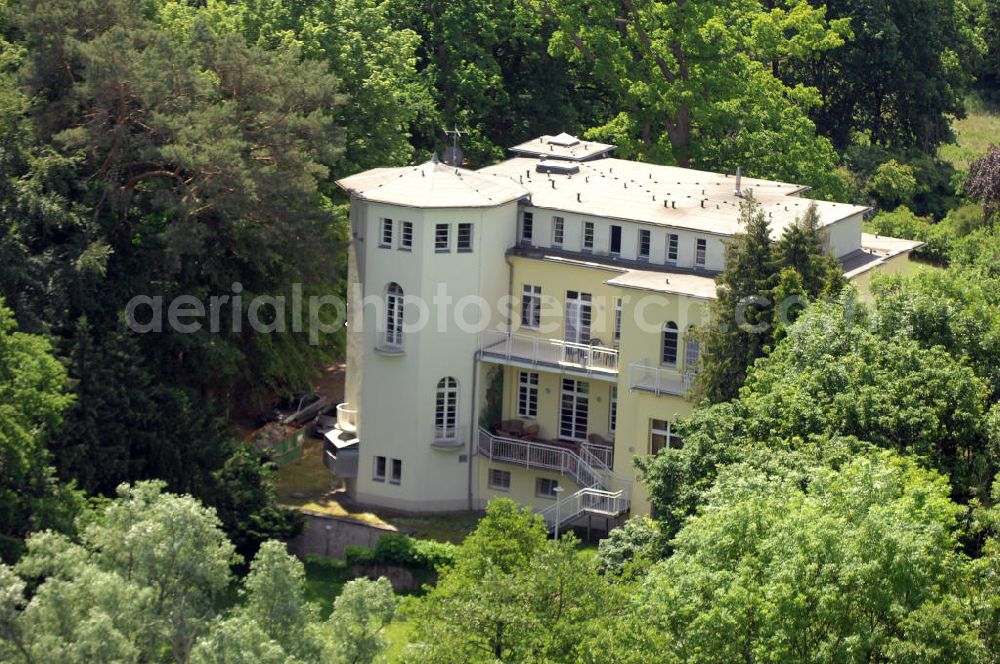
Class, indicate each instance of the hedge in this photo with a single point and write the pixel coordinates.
(402, 551)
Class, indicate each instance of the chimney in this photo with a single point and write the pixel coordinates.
(739, 183)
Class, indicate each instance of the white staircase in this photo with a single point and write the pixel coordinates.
(603, 492)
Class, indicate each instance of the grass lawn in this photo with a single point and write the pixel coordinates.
(307, 484)
(975, 133)
(398, 634)
(442, 528)
(324, 581)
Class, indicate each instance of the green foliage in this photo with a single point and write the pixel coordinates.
(353, 634)
(512, 595)
(900, 76)
(636, 542)
(835, 376)
(355, 554)
(758, 293)
(142, 585)
(893, 184)
(698, 82)
(32, 400)
(139, 585)
(853, 564)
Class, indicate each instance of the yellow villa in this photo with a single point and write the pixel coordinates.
(523, 330)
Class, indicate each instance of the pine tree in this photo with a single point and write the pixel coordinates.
(739, 327)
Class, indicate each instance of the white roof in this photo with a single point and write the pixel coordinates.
(677, 283)
(875, 250)
(636, 191)
(432, 185)
(562, 146)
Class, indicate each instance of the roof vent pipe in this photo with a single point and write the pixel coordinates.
(577, 197)
(553, 183)
(739, 182)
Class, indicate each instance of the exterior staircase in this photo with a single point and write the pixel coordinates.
(602, 491)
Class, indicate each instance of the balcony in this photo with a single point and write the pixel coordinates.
(389, 342)
(585, 469)
(659, 381)
(523, 350)
(347, 418)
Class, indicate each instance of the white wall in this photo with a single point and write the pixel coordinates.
(844, 236)
(573, 238)
(398, 394)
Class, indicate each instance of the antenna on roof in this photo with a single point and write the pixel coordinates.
(453, 156)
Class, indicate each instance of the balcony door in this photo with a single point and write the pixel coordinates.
(577, 317)
(573, 411)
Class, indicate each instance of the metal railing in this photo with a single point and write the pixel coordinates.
(603, 455)
(538, 350)
(658, 380)
(347, 417)
(594, 501)
(540, 456)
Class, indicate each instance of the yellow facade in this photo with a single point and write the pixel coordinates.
(643, 316)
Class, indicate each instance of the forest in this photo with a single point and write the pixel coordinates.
(836, 496)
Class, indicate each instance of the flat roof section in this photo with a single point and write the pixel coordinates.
(562, 146)
(663, 195)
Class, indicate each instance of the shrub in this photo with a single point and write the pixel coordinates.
(358, 555)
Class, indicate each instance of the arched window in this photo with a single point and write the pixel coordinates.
(669, 355)
(446, 410)
(692, 352)
(394, 316)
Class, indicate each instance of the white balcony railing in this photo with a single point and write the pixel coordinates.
(658, 380)
(541, 456)
(587, 500)
(389, 341)
(347, 417)
(604, 455)
(552, 352)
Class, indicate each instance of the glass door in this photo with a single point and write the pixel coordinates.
(574, 408)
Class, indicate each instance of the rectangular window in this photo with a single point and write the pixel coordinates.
(386, 239)
(527, 394)
(442, 238)
(546, 488)
(588, 236)
(531, 306)
(465, 238)
(618, 319)
(615, 240)
(661, 436)
(499, 479)
(397, 471)
(527, 227)
(700, 249)
(378, 471)
(673, 242)
(668, 356)
(644, 242)
(406, 236)
(558, 226)
(613, 409)
(691, 353)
